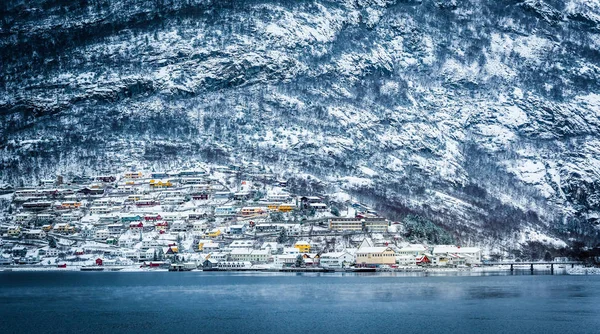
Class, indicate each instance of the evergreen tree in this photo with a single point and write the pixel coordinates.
(299, 261)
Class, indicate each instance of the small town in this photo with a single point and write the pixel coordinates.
(204, 218)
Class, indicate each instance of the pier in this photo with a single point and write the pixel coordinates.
(532, 264)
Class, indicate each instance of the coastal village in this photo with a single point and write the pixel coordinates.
(205, 217)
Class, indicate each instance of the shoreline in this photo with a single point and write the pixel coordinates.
(389, 272)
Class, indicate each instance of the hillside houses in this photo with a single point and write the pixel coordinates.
(143, 217)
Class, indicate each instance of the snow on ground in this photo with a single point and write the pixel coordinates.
(528, 234)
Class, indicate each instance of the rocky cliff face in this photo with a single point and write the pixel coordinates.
(481, 115)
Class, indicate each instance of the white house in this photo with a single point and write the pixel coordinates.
(237, 244)
(336, 260)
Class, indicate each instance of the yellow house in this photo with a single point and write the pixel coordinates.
(272, 206)
(64, 228)
(286, 207)
(14, 231)
(375, 256)
(47, 227)
(252, 211)
(133, 175)
(214, 233)
(303, 246)
(71, 205)
(160, 184)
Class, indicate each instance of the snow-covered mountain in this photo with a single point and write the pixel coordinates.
(483, 116)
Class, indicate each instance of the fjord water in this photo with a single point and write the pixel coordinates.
(203, 302)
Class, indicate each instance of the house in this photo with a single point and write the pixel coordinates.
(375, 256)
(161, 226)
(305, 201)
(152, 217)
(209, 263)
(318, 207)
(132, 175)
(132, 254)
(23, 217)
(101, 234)
(115, 229)
(64, 228)
(242, 196)
(472, 255)
(214, 233)
(88, 231)
(413, 250)
(136, 227)
(103, 202)
(422, 260)
(179, 226)
(145, 202)
(407, 260)
(198, 227)
(197, 216)
(106, 178)
(70, 205)
(37, 205)
(272, 247)
(131, 218)
(173, 201)
(285, 260)
(267, 228)
(159, 175)
(291, 251)
(336, 260)
(91, 191)
(302, 246)
(253, 211)
(172, 216)
(14, 231)
(237, 229)
(234, 265)
(100, 210)
(108, 219)
(278, 196)
(252, 255)
(241, 244)
(160, 184)
(5, 261)
(222, 195)
(52, 252)
(311, 260)
(200, 196)
(19, 251)
(208, 247)
(359, 224)
(286, 207)
(148, 243)
(219, 256)
(376, 224)
(345, 224)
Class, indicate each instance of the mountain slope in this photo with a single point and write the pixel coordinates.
(482, 116)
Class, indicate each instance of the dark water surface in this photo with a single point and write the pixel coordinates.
(79, 302)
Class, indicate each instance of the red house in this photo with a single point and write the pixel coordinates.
(423, 260)
(200, 196)
(152, 218)
(98, 261)
(136, 226)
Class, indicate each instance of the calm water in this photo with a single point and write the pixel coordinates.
(199, 302)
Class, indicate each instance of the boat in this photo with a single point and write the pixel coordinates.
(91, 268)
